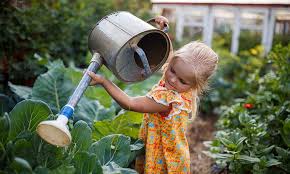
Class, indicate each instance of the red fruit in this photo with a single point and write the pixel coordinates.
(248, 105)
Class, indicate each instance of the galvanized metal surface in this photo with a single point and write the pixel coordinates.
(114, 37)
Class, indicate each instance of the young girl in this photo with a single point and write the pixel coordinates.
(168, 105)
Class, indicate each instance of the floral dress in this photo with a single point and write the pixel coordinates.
(164, 133)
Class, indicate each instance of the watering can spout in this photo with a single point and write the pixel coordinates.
(55, 131)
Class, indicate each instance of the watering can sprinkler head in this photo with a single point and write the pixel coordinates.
(55, 131)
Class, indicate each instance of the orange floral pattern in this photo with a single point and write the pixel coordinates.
(164, 133)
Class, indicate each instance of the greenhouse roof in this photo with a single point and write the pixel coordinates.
(225, 2)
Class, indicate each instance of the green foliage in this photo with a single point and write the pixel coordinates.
(29, 115)
(6, 103)
(126, 123)
(249, 39)
(25, 152)
(34, 32)
(234, 75)
(85, 162)
(114, 168)
(22, 91)
(282, 39)
(254, 132)
(90, 139)
(81, 136)
(4, 126)
(116, 149)
(55, 87)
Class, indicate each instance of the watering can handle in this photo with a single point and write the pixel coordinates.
(143, 58)
(165, 28)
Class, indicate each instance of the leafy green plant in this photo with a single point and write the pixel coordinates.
(254, 134)
(34, 32)
(6, 104)
(127, 123)
(55, 87)
(232, 78)
(97, 129)
(22, 150)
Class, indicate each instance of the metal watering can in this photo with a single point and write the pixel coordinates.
(131, 48)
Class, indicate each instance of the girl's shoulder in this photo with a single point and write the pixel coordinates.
(160, 88)
(177, 101)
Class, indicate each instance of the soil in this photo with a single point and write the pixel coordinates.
(202, 129)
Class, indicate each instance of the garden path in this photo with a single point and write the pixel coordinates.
(202, 129)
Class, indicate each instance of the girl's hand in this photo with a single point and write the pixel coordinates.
(96, 79)
(161, 20)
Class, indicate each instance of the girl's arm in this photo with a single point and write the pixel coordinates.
(141, 104)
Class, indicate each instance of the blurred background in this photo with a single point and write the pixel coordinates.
(244, 117)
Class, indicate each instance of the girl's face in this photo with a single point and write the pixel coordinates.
(179, 75)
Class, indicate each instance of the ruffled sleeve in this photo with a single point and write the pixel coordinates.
(176, 101)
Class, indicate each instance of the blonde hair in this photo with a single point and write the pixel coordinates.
(204, 63)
